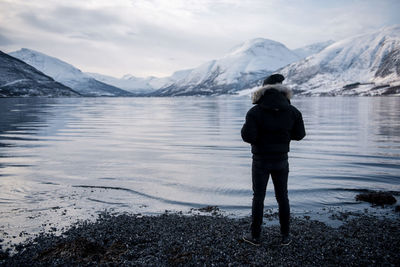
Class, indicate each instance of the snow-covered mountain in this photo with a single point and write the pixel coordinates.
(312, 49)
(127, 82)
(367, 64)
(20, 79)
(139, 85)
(67, 74)
(242, 68)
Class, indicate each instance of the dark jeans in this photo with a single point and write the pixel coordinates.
(279, 171)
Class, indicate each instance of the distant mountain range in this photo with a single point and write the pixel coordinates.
(67, 74)
(367, 64)
(19, 79)
(136, 85)
(240, 69)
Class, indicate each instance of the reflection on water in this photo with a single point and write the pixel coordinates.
(62, 159)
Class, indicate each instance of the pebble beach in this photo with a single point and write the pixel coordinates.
(174, 239)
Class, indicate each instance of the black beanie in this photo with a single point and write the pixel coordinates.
(273, 79)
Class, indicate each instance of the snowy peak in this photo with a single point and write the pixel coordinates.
(364, 59)
(256, 46)
(20, 79)
(55, 68)
(260, 54)
(241, 68)
(67, 74)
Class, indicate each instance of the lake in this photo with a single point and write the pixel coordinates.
(66, 159)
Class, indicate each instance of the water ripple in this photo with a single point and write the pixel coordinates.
(166, 153)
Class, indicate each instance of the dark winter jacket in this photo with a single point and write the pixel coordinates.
(272, 123)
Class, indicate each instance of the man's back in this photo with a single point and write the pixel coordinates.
(272, 123)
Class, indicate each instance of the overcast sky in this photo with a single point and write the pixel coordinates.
(158, 37)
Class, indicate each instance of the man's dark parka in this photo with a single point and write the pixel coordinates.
(272, 123)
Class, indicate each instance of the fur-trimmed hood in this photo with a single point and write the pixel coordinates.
(256, 96)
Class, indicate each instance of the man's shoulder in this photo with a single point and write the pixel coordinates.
(255, 109)
(294, 110)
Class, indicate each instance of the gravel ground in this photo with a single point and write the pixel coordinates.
(174, 239)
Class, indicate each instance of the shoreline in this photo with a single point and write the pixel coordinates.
(173, 239)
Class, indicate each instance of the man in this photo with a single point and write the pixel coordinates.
(270, 126)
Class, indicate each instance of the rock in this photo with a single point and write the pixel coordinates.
(209, 209)
(377, 198)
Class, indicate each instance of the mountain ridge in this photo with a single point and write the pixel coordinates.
(67, 74)
(363, 62)
(18, 79)
(241, 68)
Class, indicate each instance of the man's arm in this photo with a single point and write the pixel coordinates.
(249, 129)
(298, 131)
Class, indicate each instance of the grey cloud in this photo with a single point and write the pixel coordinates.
(79, 23)
(91, 36)
(84, 16)
(5, 41)
(43, 23)
(108, 25)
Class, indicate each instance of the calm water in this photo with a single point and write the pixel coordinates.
(65, 159)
